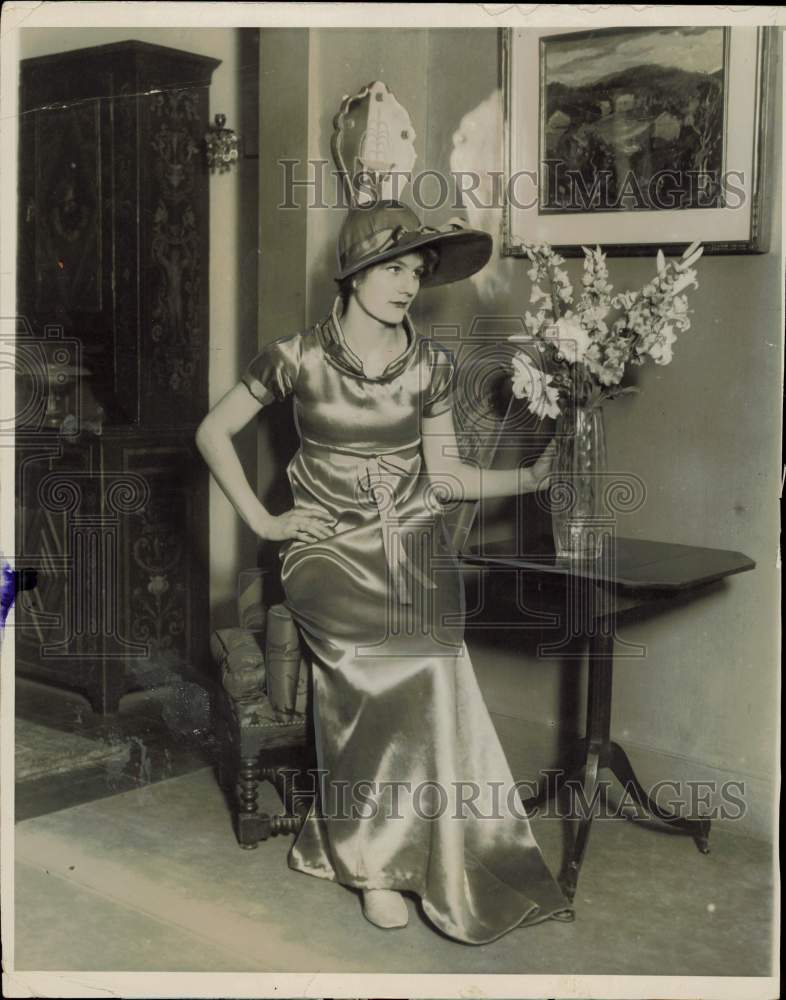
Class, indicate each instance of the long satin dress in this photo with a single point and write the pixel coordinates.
(415, 791)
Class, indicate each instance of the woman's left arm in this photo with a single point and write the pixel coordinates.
(468, 482)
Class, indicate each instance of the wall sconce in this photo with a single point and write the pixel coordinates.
(222, 145)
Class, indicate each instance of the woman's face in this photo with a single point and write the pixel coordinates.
(386, 290)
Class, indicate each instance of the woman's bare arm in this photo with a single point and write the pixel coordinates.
(468, 482)
(214, 441)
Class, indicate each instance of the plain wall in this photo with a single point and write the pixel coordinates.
(703, 434)
(233, 259)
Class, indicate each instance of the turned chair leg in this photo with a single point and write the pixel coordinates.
(248, 818)
(251, 824)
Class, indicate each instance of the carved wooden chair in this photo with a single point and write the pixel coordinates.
(262, 712)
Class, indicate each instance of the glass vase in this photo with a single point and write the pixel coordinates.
(577, 489)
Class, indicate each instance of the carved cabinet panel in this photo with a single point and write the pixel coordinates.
(113, 280)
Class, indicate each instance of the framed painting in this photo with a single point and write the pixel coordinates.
(637, 138)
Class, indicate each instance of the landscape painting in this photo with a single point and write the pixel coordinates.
(633, 119)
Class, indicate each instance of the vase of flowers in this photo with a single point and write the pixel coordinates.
(577, 351)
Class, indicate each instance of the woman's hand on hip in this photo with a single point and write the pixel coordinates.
(300, 523)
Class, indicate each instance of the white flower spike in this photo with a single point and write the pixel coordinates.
(585, 345)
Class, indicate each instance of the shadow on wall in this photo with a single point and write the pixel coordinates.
(477, 150)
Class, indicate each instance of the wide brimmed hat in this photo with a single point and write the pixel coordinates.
(389, 229)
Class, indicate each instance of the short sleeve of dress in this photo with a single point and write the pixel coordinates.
(439, 397)
(272, 374)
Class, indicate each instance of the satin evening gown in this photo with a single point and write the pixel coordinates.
(416, 793)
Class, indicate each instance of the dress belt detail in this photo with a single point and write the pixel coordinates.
(378, 476)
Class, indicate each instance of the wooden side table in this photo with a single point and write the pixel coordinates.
(591, 597)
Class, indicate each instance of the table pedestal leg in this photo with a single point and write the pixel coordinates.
(597, 745)
(623, 771)
(598, 753)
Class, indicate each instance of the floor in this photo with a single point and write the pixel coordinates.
(147, 876)
(151, 739)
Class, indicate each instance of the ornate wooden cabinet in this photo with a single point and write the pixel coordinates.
(112, 368)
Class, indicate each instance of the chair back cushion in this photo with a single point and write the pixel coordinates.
(287, 668)
(238, 655)
(251, 611)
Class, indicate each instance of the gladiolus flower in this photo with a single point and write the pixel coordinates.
(572, 340)
(534, 385)
(685, 280)
(659, 346)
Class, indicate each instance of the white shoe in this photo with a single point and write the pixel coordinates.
(385, 908)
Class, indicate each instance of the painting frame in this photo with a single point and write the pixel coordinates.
(748, 117)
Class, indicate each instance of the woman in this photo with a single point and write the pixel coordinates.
(417, 795)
